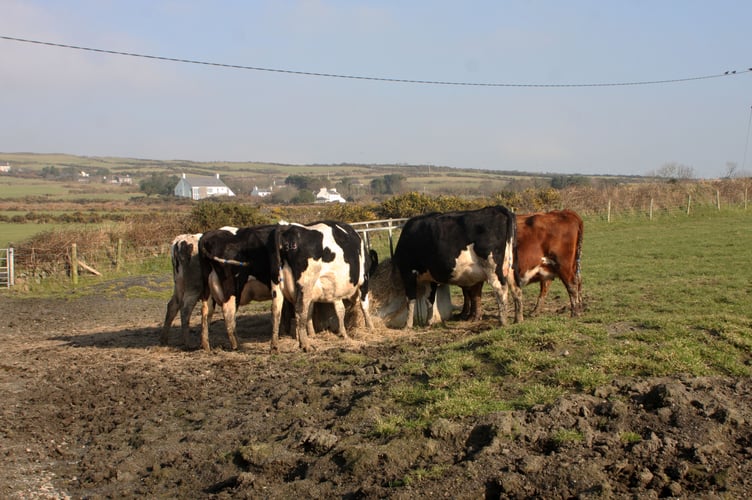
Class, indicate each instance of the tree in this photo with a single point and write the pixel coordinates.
(158, 183)
(394, 183)
(389, 184)
(562, 181)
(305, 182)
(51, 172)
(303, 196)
(731, 171)
(675, 171)
(378, 186)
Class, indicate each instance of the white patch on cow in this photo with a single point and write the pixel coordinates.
(506, 268)
(469, 269)
(287, 283)
(542, 271)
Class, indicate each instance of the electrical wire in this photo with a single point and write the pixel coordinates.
(374, 78)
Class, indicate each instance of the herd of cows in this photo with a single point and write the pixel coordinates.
(300, 267)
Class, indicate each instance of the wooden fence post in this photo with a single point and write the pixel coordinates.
(119, 256)
(689, 203)
(718, 199)
(608, 212)
(74, 264)
(651, 208)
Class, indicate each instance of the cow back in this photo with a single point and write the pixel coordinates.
(433, 242)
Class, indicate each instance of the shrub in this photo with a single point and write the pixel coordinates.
(209, 214)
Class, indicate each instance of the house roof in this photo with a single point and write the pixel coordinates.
(203, 180)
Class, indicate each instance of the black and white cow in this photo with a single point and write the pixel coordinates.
(460, 248)
(319, 262)
(188, 283)
(236, 270)
(186, 276)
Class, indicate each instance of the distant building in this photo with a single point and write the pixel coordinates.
(329, 195)
(121, 179)
(197, 187)
(261, 193)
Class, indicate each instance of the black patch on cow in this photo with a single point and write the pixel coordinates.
(432, 242)
(249, 246)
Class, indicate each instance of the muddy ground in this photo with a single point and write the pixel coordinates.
(93, 407)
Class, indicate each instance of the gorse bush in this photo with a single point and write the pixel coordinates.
(414, 203)
(209, 214)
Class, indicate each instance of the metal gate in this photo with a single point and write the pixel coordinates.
(6, 267)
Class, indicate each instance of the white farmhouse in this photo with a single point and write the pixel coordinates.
(329, 195)
(198, 187)
(261, 193)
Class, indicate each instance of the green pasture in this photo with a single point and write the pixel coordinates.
(14, 187)
(667, 297)
(16, 233)
(17, 188)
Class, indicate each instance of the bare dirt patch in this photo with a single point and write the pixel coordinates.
(93, 407)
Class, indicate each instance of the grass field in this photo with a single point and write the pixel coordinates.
(667, 297)
(16, 233)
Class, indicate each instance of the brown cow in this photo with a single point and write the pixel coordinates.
(549, 245)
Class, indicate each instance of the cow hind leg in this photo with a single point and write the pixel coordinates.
(411, 292)
(572, 283)
(517, 298)
(364, 308)
(500, 292)
(339, 309)
(278, 302)
(303, 313)
(205, 317)
(575, 301)
(185, 321)
(186, 309)
(229, 311)
(544, 286)
(172, 310)
(410, 313)
(429, 320)
(475, 309)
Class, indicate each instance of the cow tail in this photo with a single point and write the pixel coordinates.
(275, 258)
(578, 253)
(512, 231)
(174, 251)
(374, 261)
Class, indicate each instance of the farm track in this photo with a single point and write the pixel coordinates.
(93, 407)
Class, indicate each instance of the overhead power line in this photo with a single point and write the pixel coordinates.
(375, 78)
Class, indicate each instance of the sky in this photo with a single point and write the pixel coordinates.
(528, 69)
